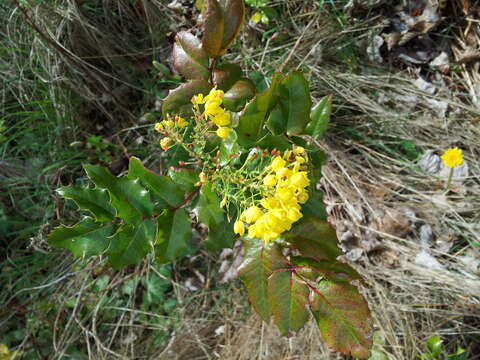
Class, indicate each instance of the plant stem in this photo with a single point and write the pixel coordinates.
(449, 181)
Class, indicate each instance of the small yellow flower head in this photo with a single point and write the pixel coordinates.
(299, 150)
(159, 127)
(300, 179)
(452, 157)
(257, 17)
(202, 177)
(252, 214)
(270, 180)
(168, 123)
(215, 95)
(278, 163)
(198, 99)
(239, 228)
(222, 118)
(223, 132)
(165, 143)
(180, 122)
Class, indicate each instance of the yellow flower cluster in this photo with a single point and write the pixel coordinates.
(166, 125)
(214, 112)
(280, 206)
(452, 157)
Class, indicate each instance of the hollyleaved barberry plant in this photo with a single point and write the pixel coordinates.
(245, 165)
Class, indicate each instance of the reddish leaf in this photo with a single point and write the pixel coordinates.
(314, 238)
(226, 75)
(330, 269)
(213, 28)
(179, 99)
(343, 318)
(234, 13)
(258, 264)
(189, 59)
(288, 298)
(239, 94)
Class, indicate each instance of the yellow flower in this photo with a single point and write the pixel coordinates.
(198, 99)
(300, 179)
(159, 127)
(223, 132)
(239, 228)
(222, 118)
(278, 163)
(212, 108)
(215, 95)
(452, 157)
(180, 122)
(168, 123)
(257, 17)
(299, 150)
(270, 180)
(252, 214)
(165, 143)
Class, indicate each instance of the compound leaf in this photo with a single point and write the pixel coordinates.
(259, 262)
(131, 243)
(94, 200)
(288, 298)
(161, 185)
(173, 232)
(189, 58)
(85, 239)
(179, 99)
(343, 317)
(213, 28)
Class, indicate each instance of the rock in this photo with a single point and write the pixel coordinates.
(425, 259)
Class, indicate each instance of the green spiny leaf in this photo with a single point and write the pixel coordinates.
(343, 317)
(314, 238)
(131, 243)
(173, 232)
(129, 198)
(258, 264)
(207, 209)
(179, 99)
(229, 149)
(220, 236)
(320, 117)
(276, 122)
(239, 94)
(94, 200)
(213, 28)
(234, 13)
(163, 186)
(288, 299)
(189, 58)
(225, 75)
(185, 178)
(85, 239)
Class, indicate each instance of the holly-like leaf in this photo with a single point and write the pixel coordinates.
(343, 317)
(85, 239)
(229, 149)
(173, 232)
(96, 201)
(207, 209)
(276, 122)
(314, 238)
(179, 99)
(185, 178)
(295, 102)
(225, 75)
(234, 13)
(189, 58)
(129, 198)
(288, 298)
(220, 236)
(259, 262)
(161, 185)
(320, 117)
(329, 269)
(131, 243)
(213, 28)
(239, 94)
(253, 116)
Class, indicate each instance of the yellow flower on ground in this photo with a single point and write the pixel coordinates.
(452, 157)
(165, 143)
(223, 132)
(239, 228)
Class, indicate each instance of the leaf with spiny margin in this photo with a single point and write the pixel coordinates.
(330, 269)
(253, 116)
(129, 198)
(185, 178)
(295, 102)
(85, 239)
(314, 238)
(220, 236)
(225, 75)
(131, 243)
(320, 117)
(234, 13)
(94, 200)
(239, 94)
(276, 122)
(314, 207)
(259, 262)
(173, 233)
(189, 58)
(207, 209)
(213, 28)
(288, 299)
(161, 185)
(179, 100)
(343, 317)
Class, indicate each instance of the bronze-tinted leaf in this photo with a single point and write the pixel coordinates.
(189, 58)
(226, 75)
(179, 99)
(239, 94)
(213, 28)
(234, 13)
